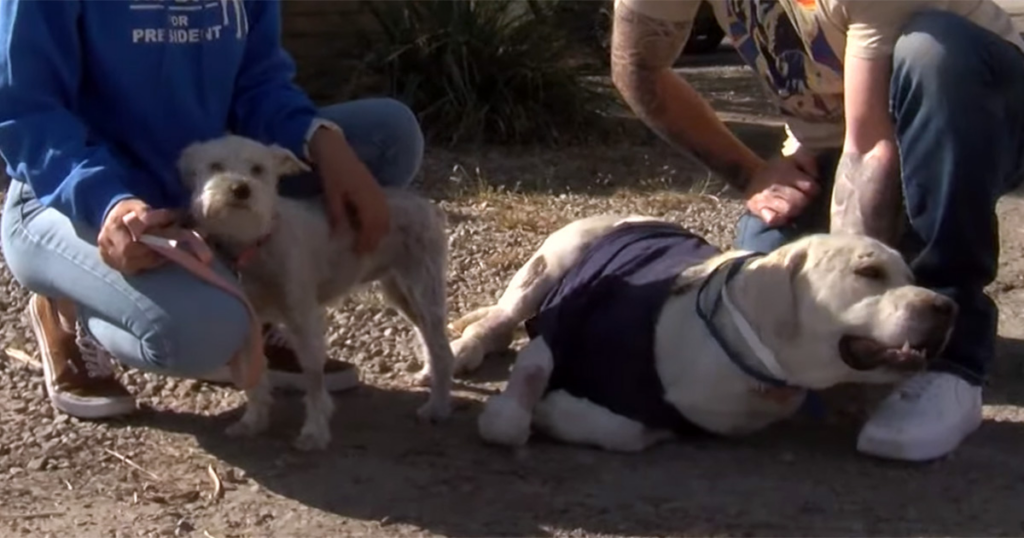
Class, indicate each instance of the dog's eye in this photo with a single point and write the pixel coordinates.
(256, 170)
(216, 168)
(870, 272)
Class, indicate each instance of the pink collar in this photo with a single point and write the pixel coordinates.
(250, 252)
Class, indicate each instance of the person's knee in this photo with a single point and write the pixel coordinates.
(754, 235)
(392, 130)
(200, 340)
(938, 50)
(404, 138)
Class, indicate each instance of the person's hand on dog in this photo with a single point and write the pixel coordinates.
(352, 194)
(119, 249)
(783, 188)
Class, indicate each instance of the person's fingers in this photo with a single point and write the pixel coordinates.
(808, 187)
(158, 218)
(778, 204)
(762, 206)
(336, 210)
(367, 230)
(140, 257)
(787, 202)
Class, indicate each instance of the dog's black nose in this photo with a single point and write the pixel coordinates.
(240, 191)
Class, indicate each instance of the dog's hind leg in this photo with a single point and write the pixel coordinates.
(419, 295)
(490, 329)
(460, 324)
(507, 417)
(308, 328)
(579, 421)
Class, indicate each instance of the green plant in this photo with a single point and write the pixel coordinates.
(492, 71)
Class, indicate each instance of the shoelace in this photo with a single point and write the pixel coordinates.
(97, 360)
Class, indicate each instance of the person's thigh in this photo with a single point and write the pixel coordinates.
(956, 97)
(755, 235)
(164, 320)
(385, 135)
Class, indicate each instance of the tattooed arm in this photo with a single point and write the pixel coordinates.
(867, 195)
(643, 51)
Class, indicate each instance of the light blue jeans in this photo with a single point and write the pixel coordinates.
(166, 320)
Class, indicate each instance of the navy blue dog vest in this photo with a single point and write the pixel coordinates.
(599, 321)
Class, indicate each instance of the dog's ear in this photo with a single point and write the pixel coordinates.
(788, 327)
(774, 291)
(286, 163)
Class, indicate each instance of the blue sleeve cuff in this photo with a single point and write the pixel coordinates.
(292, 134)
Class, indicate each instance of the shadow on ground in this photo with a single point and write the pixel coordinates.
(801, 478)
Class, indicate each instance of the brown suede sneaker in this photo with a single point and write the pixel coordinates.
(284, 370)
(79, 373)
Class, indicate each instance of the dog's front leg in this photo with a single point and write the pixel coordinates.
(580, 421)
(507, 417)
(308, 327)
(256, 417)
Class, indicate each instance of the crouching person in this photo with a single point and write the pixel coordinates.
(88, 142)
(918, 101)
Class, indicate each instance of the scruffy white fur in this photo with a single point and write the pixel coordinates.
(801, 299)
(299, 268)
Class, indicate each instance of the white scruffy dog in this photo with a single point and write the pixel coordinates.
(293, 268)
(734, 341)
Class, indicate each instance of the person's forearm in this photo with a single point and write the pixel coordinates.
(641, 48)
(674, 110)
(867, 196)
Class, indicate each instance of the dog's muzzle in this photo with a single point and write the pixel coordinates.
(936, 318)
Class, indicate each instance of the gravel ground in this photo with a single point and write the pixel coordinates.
(385, 474)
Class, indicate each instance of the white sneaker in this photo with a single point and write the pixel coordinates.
(925, 418)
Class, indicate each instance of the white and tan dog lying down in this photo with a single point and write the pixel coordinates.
(641, 332)
(292, 268)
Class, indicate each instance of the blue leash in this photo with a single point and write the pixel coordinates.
(813, 405)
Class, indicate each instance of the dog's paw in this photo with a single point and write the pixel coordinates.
(469, 355)
(435, 410)
(504, 422)
(311, 439)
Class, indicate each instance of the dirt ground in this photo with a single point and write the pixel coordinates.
(387, 475)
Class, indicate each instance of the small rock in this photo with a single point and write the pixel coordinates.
(37, 464)
(183, 527)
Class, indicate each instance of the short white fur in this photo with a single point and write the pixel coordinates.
(299, 268)
(800, 300)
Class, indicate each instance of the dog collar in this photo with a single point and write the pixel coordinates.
(707, 306)
(250, 252)
(766, 355)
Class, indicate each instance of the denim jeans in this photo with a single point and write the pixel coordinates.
(957, 102)
(166, 320)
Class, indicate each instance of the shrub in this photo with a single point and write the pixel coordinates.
(492, 71)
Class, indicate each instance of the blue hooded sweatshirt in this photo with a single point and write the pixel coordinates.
(98, 98)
